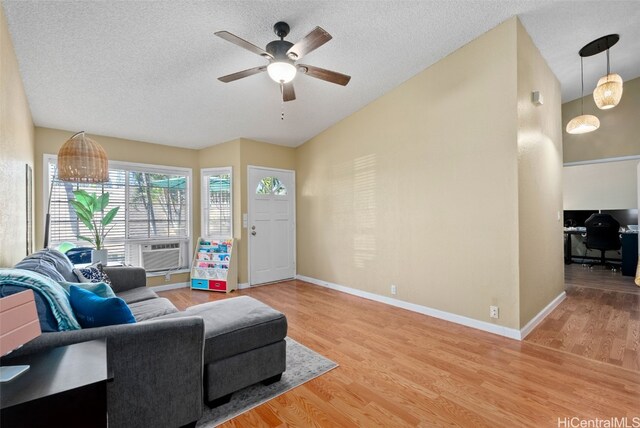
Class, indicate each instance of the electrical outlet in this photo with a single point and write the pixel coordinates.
(494, 312)
(394, 289)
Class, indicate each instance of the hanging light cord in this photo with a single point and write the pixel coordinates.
(582, 87)
(608, 70)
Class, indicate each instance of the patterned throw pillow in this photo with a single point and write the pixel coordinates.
(92, 274)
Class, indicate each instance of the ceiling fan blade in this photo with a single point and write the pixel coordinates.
(309, 43)
(328, 75)
(288, 93)
(243, 43)
(240, 74)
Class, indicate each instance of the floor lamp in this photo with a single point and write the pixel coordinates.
(80, 160)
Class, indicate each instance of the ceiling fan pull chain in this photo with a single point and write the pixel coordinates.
(282, 102)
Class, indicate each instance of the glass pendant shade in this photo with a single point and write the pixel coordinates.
(583, 124)
(608, 92)
(82, 160)
(281, 72)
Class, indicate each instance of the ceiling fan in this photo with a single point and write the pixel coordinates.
(282, 56)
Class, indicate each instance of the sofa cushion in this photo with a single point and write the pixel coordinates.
(51, 263)
(94, 311)
(153, 308)
(137, 295)
(237, 325)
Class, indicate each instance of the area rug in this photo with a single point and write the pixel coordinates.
(303, 364)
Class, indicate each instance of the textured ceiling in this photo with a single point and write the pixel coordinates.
(147, 70)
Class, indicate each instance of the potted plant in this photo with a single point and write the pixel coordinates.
(86, 206)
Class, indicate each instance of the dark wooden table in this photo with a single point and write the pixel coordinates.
(65, 386)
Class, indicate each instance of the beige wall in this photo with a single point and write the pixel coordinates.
(539, 182)
(619, 132)
(420, 188)
(48, 141)
(16, 150)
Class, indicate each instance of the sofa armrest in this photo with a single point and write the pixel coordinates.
(156, 365)
(125, 278)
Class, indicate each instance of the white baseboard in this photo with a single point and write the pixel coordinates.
(243, 285)
(170, 286)
(511, 333)
(541, 315)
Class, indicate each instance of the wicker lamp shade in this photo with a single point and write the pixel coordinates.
(82, 160)
(608, 92)
(583, 124)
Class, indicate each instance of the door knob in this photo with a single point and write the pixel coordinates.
(253, 228)
(253, 233)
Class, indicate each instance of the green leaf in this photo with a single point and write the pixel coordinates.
(83, 213)
(88, 224)
(83, 198)
(103, 201)
(110, 215)
(84, 238)
(93, 201)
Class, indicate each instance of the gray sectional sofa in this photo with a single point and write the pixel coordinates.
(170, 362)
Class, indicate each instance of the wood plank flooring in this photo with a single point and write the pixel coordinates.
(577, 275)
(600, 319)
(399, 368)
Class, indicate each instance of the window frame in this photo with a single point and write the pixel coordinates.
(204, 198)
(137, 167)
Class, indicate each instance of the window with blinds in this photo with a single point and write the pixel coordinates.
(153, 201)
(217, 202)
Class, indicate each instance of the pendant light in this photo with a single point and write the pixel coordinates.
(82, 160)
(585, 122)
(608, 92)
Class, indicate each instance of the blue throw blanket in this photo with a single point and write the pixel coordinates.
(53, 293)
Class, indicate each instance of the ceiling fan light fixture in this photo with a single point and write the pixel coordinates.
(608, 92)
(281, 72)
(583, 124)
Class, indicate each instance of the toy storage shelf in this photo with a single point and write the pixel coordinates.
(214, 265)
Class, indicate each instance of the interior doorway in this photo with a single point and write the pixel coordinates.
(271, 224)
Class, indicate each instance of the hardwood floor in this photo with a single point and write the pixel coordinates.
(577, 275)
(400, 368)
(600, 319)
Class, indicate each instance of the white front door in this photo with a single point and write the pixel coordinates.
(271, 224)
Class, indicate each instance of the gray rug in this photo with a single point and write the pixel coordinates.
(303, 364)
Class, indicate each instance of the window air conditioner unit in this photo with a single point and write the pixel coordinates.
(160, 256)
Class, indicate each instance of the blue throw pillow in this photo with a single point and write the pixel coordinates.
(100, 288)
(94, 311)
